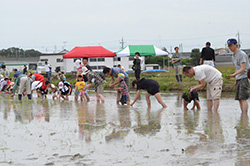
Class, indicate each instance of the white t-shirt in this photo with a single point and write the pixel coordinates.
(206, 72)
(47, 68)
(2, 83)
(34, 85)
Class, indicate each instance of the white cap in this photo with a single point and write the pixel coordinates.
(60, 85)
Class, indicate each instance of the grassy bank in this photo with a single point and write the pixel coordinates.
(167, 80)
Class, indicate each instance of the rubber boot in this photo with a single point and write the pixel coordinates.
(177, 78)
(20, 96)
(29, 96)
(180, 77)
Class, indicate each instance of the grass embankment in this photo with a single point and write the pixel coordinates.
(167, 80)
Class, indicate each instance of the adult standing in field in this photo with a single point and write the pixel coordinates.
(25, 69)
(94, 79)
(207, 55)
(24, 83)
(85, 62)
(47, 69)
(17, 73)
(137, 65)
(176, 61)
(241, 63)
(113, 72)
(210, 75)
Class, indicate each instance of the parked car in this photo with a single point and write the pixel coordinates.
(41, 67)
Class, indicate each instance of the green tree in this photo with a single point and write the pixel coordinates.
(156, 60)
(14, 52)
(195, 56)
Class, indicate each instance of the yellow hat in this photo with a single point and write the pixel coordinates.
(121, 76)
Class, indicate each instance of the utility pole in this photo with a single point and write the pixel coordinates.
(122, 42)
(181, 48)
(171, 56)
(238, 34)
(64, 43)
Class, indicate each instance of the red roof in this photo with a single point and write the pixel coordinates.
(90, 52)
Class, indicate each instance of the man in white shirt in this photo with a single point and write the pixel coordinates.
(210, 75)
(47, 69)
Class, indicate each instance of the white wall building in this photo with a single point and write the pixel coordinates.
(97, 64)
(55, 60)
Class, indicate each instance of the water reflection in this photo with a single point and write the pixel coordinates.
(119, 132)
(7, 106)
(90, 119)
(81, 109)
(23, 112)
(178, 102)
(107, 134)
(191, 120)
(41, 111)
(152, 124)
(243, 139)
(213, 127)
(66, 109)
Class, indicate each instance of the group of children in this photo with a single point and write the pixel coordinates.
(41, 84)
(5, 84)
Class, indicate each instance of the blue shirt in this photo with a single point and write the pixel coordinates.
(17, 74)
(116, 70)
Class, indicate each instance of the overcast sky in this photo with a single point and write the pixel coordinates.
(49, 25)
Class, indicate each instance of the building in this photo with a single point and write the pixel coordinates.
(97, 64)
(152, 67)
(18, 63)
(54, 59)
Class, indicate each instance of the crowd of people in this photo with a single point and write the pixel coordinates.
(206, 74)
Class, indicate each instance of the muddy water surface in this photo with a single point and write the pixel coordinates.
(74, 133)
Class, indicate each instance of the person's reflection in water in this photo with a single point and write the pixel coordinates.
(243, 140)
(65, 109)
(100, 115)
(178, 102)
(42, 111)
(153, 122)
(7, 107)
(191, 120)
(123, 129)
(214, 130)
(81, 108)
(23, 112)
(90, 120)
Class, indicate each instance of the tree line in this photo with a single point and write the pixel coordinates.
(14, 52)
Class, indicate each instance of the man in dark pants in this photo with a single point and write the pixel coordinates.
(207, 55)
(137, 65)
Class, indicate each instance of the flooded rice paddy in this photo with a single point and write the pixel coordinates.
(78, 133)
